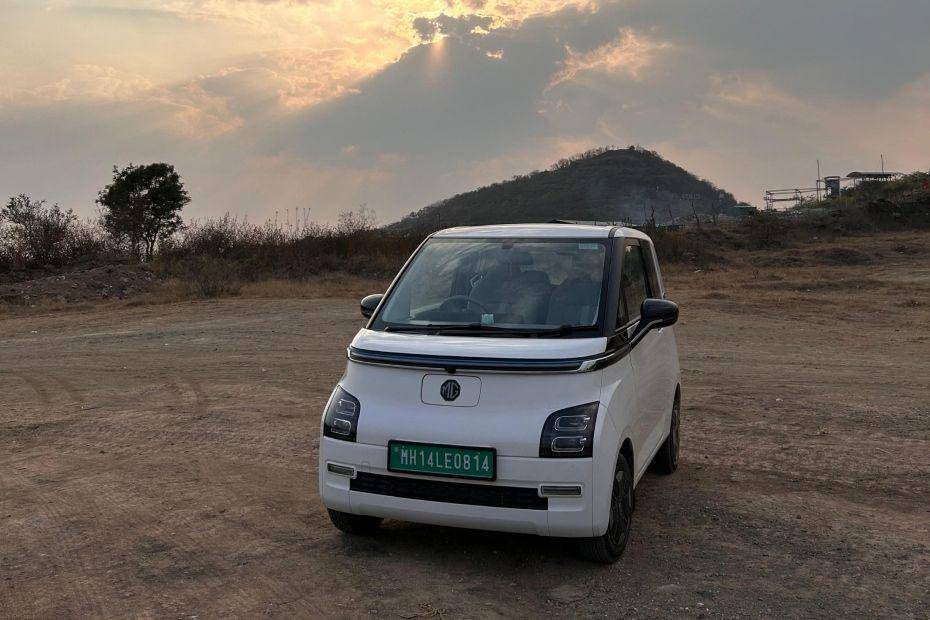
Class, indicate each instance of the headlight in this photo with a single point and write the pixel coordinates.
(569, 433)
(341, 418)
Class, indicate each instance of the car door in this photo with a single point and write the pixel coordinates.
(664, 351)
(636, 285)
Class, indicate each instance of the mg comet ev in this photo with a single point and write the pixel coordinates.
(517, 378)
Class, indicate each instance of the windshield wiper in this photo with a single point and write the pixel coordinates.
(412, 328)
(492, 329)
(484, 327)
(461, 327)
(567, 329)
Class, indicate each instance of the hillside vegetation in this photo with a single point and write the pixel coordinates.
(45, 252)
(901, 202)
(631, 185)
(899, 205)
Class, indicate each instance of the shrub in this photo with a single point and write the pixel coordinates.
(211, 277)
(767, 230)
(35, 233)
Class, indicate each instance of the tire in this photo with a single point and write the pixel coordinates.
(666, 459)
(608, 548)
(354, 524)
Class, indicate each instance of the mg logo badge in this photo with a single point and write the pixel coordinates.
(450, 390)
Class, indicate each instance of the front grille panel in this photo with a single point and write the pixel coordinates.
(449, 492)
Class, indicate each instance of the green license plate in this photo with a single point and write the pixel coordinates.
(438, 460)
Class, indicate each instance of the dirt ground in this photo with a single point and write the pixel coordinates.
(161, 461)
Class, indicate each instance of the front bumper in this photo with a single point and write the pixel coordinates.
(518, 479)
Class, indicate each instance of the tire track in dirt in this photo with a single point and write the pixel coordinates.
(34, 384)
(188, 394)
(279, 541)
(104, 497)
(186, 537)
(201, 402)
(51, 506)
(69, 388)
(215, 468)
(119, 428)
(193, 401)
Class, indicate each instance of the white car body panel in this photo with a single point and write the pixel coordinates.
(499, 420)
(566, 516)
(469, 346)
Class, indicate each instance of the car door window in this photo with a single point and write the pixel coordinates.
(634, 285)
(652, 272)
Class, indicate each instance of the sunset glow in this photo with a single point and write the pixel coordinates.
(303, 103)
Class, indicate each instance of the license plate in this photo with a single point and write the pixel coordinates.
(439, 460)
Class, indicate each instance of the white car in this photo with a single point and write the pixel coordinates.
(517, 378)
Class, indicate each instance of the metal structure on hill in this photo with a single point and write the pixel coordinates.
(828, 187)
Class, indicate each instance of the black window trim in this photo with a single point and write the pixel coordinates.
(621, 300)
(652, 270)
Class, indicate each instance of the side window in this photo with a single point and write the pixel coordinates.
(634, 285)
(652, 270)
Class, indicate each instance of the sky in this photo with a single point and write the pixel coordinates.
(267, 106)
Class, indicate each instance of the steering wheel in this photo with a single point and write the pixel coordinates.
(468, 300)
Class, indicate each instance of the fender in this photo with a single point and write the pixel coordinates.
(607, 449)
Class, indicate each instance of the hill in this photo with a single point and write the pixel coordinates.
(631, 185)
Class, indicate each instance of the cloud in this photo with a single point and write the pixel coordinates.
(88, 82)
(627, 55)
(265, 106)
(462, 27)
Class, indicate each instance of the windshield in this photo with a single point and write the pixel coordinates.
(497, 284)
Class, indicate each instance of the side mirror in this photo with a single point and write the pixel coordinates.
(655, 314)
(369, 304)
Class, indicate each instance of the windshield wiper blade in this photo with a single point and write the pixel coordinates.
(460, 327)
(492, 329)
(447, 326)
(567, 329)
(412, 328)
(484, 327)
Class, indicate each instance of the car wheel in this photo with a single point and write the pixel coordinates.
(666, 459)
(354, 524)
(608, 548)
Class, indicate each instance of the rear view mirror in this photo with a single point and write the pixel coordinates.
(369, 304)
(655, 314)
(659, 313)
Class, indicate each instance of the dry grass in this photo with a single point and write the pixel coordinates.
(798, 280)
(44, 306)
(328, 285)
(177, 290)
(774, 285)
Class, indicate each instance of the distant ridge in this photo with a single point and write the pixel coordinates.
(630, 185)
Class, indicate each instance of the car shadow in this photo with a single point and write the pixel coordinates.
(430, 543)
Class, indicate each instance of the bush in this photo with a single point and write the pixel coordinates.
(766, 231)
(353, 245)
(34, 233)
(211, 277)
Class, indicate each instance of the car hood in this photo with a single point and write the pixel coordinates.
(478, 346)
